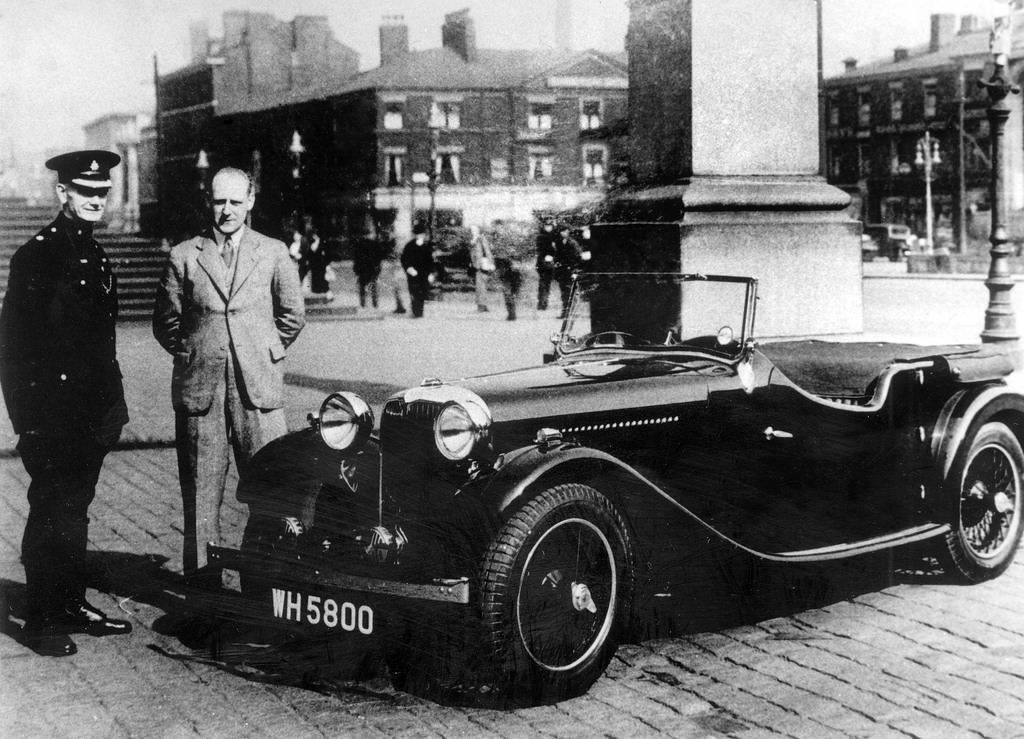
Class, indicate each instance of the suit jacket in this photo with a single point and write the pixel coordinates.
(200, 315)
(420, 257)
(58, 357)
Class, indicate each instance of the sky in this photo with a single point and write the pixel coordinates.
(64, 63)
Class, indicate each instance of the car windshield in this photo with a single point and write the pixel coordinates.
(658, 312)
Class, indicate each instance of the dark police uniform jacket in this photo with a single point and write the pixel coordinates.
(58, 360)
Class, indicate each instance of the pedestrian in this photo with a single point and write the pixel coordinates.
(391, 267)
(545, 262)
(227, 307)
(316, 257)
(418, 263)
(509, 267)
(62, 385)
(567, 264)
(481, 260)
(366, 261)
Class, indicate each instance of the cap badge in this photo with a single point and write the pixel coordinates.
(94, 166)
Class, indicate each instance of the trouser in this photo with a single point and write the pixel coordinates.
(418, 290)
(480, 284)
(370, 283)
(543, 288)
(397, 277)
(204, 442)
(510, 285)
(64, 470)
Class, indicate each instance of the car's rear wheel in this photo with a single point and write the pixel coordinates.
(987, 526)
(555, 588)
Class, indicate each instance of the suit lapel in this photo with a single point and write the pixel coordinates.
(210, 260)
(245, 260)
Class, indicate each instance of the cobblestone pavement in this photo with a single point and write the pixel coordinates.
(882, 648)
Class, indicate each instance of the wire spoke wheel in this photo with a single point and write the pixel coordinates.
(556, 584)
(988, 525)
(566, 600)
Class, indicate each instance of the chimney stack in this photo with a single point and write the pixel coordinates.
(394, 38)
(199, 41)
(900, 54)
(459, 34)
(970, 24)
(849, 64)
(943, 30)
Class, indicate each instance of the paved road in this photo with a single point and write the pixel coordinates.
(886, 647)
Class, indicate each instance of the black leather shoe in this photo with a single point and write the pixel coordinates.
(83, 618)
(47, 640)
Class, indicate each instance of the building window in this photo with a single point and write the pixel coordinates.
(834, 164)
(896, 102)
(931, 99)
(446, 166)
(394, 169)
(540, 116)
(864, 160)
(864, 109)
(499, 168)
(594, 165)
(445, 115)
(541, 165)
(833, 109)
(590, 114)
(393, 116)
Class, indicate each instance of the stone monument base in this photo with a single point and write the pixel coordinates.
(791, 233)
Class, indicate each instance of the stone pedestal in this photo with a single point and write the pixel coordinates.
(725, 152)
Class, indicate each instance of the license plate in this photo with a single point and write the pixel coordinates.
(317, 610)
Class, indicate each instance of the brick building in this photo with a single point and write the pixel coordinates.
(501, 133)
(258, 56)
(876, 115)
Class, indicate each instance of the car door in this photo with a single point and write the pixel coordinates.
(806, 472)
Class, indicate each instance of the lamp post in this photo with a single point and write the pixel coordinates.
(418, 178)
(202, 167)
(432, 174)
(1000, 323)
(296, 150)
(927, 155)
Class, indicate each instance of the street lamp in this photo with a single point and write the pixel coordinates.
(418, 178)
(296, 150)
(432, 175)
(927, 155)
(1000, 323)
(202, 167)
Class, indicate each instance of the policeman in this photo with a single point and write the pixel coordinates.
(62, 386)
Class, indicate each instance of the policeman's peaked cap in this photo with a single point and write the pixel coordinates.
(89, 168)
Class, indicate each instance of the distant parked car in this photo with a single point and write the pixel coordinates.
(894, 240)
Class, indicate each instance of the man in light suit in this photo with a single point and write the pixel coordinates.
(228, 305)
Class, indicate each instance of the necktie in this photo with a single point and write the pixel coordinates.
(228, 252)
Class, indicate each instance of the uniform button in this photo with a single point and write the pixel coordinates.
(63, 376)
(39, 238)
(53, 230)
(82, 282)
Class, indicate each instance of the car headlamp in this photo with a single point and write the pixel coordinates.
(345, 421)
(460, 427)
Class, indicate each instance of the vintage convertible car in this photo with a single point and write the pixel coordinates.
(520, 524)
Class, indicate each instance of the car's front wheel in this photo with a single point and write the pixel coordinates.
(987, 526)
(555, 587)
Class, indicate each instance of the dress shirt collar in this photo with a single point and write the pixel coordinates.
(236, 237)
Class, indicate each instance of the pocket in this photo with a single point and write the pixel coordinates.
(277, 353)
